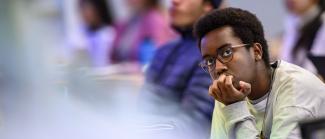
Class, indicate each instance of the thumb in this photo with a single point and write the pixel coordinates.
(245, 88)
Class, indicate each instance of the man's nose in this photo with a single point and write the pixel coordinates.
(220, 67)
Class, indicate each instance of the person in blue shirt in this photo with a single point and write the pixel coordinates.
(176, 88)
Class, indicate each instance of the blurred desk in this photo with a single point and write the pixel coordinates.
(126, 72)
(110, 87)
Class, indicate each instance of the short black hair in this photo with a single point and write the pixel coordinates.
(215, 3)
(321, 4)
(244, 24)
(102, 8)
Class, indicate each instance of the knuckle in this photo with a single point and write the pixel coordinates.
(228, 84)
(211, 94)
(215, 84)
(219, 82)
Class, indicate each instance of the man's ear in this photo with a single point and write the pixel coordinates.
(258, 51)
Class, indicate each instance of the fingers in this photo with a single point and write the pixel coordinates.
(220, 83)
(233, 93)
(214, 91)
(224, 91)
(245, 88)
(228, 83)
(225, 87)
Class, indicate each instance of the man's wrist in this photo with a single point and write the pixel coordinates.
(236, 111)
(232, 102)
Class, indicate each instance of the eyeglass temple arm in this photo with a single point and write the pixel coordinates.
(239, 45)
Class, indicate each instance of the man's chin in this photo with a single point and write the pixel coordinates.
(176, 25)
(180, 27)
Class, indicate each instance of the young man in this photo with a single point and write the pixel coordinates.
(176, 87)
(255, 99)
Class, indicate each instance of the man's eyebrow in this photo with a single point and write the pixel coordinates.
(221, 46)
(224, 45)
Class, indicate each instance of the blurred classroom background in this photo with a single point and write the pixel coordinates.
(74, 68)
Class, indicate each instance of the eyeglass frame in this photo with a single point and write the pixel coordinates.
(207, 67)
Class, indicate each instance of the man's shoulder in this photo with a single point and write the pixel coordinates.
(294, 85)
(177, 58)
(287, 73)
(169, 45)
(179, 47)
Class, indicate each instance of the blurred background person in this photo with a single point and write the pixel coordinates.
(304, 32)
(98, 31)
(143, 33)
(176, 88)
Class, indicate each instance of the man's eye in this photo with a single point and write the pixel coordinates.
(210, 61)
(227, 53)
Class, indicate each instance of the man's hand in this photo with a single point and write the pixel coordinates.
(224, 91)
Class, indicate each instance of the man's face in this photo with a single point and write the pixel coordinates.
(184, 13)
(136, 5)
(242, 64)
(299, 7)
(89, 14)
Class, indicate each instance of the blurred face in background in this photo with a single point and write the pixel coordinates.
(299, 7)
(89, 14)
(184, 13)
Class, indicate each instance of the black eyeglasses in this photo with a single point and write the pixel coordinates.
(224, 55)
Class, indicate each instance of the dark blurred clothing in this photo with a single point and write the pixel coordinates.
(303, 36)
(177, 87)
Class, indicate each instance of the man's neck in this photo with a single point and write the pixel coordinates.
(262, 84)
(185, 32)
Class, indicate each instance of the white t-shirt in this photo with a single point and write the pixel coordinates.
(99, 46)
(296, 95)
